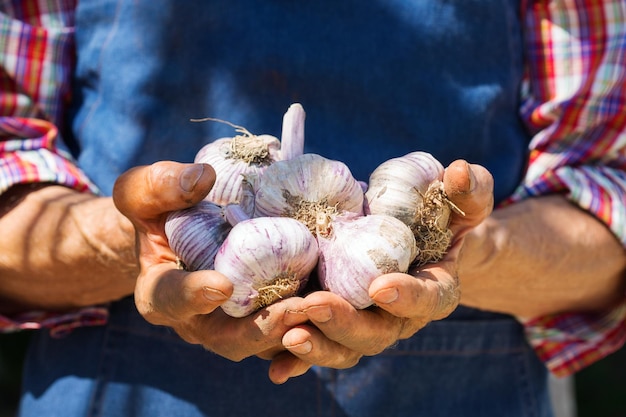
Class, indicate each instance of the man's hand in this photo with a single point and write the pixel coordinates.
(188, 301)
(337, 335)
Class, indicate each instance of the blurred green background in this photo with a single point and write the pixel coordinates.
(600, 389)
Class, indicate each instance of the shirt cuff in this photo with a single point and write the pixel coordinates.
(59, 323)
(598, 189)
(32, 155)
(567, 343)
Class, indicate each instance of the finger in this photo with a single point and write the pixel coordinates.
(285, 365)
(430, 292)
(367, 331)
(470, 188)
(269, 354)
(291, 318)
(165, 295)
(145, 193)
(239, 338)
(312, 346)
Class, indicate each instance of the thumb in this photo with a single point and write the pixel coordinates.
(145, 193)
(470, 188)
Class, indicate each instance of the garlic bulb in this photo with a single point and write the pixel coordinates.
(309, 188)
(195, 234)
(249, 154)
(358, 250)
(233, 157)
(410, 188)
(266, 259)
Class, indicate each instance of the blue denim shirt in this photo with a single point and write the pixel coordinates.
(378, 79)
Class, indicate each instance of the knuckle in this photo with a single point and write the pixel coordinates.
(226, 353)
(350, 361)
(447, 301)
(410, 327)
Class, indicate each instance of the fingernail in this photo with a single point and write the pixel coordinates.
(294, 317)
(214, 295)
(320, 314)
(302, 348)
(190, 177)
(386, 296)
(472, 178)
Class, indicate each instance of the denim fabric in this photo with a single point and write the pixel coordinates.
(377, 79)
(473, 366)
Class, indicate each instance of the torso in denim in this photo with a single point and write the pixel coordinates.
(378, 79)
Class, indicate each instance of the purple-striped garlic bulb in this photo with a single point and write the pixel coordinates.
(196, 233)
(266, 259)
(358, 250)
(410, 188)
(249, 154)
(309, 188)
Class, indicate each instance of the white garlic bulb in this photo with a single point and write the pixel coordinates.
(310, 188)
(232, 157)
(249, 154)
(266, 259)
(410, 188)
(196, 233)
(358, 250)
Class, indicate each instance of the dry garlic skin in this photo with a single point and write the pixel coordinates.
(266, 259)
(359, 250)
(305, 186)
(232, 158)
(397, 186)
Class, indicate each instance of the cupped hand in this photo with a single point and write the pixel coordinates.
(188, 302)
(338, 335)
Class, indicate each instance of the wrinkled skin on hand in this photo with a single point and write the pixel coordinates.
(188, 301)
(295, 333)
(337, 335)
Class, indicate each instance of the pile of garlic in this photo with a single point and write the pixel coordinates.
(275, 215)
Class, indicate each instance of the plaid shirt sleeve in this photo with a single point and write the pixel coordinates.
(36, 54)
(575, 106)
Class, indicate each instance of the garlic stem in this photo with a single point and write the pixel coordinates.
(234, 213)
(246, 202)
(292, 139)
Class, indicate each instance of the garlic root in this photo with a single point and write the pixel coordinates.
(430, 226)
(284, 285)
